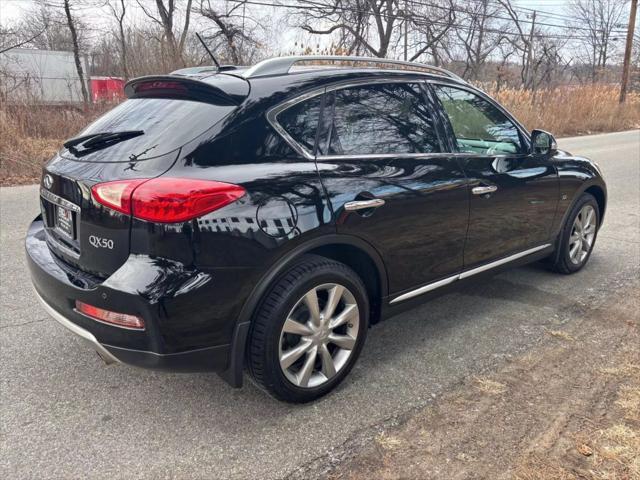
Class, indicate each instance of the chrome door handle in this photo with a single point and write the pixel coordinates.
(484, 190)
(363, 204)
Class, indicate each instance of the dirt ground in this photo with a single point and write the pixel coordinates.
(568, 409)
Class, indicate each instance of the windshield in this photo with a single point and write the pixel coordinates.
(167, 125)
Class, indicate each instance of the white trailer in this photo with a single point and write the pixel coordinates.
(41, 77)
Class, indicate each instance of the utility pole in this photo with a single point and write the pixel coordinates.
(527, 70)
(627, 52)
(406, 31)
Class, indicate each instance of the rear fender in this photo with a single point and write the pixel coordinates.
(233, 373)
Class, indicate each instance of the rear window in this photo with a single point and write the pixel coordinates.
(167, 124)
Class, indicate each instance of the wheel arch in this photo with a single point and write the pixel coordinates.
(600, 197)
(353, 251)
(599, 192)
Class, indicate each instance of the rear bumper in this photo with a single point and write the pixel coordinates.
(189, 314)
(86, 335)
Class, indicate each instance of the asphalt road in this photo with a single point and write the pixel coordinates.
(64, 414)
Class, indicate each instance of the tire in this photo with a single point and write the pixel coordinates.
(273, 345)
(565, 260)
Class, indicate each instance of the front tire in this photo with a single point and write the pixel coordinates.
(578, 236)
(309, 330)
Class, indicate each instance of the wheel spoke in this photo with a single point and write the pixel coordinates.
(311, 301)
(328, 367)
(335, 294)
(574, 238)
(342, 341)
(307, 369)
(573, 252)
(315, 351)
(586, 217)
(289, 357)
(297, 328)
(349, 312)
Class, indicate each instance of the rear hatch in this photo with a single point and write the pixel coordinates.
(140, 138)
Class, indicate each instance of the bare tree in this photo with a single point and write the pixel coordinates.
(366, 24)
(76, 52)
(45, 27)
(231, 26)
(165, 16)
(477, 33)
(597, 21)
(10, 39)
(522, 41)
(119, 11)
(431, 24)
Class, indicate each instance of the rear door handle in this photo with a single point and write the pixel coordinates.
(484, 190)
(363, 204)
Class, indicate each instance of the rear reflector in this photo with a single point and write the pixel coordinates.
(119, 319)
(165, 199)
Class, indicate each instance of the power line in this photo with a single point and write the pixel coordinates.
(520, 20)
(314, 6)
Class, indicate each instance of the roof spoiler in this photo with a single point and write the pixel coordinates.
(220, 90)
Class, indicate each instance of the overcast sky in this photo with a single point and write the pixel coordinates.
(549, 11)
(11, 10)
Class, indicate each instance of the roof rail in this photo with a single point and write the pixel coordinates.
(282, 65)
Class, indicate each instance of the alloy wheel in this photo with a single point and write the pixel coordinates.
(319, 335)
(583, 233)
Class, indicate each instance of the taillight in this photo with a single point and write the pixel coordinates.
(107, 316)
(116, 195)
(165, 199)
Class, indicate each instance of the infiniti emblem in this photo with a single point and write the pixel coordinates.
(48, 181)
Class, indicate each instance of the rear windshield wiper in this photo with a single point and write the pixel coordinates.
(96, 141)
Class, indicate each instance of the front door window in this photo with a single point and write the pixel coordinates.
(479, 126)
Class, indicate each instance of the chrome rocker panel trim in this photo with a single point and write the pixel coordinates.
(87, 336)
(466, 274)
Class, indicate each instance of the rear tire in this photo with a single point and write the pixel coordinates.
(309, 330)
(578, 236)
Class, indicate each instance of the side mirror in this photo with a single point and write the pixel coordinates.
(543, 143)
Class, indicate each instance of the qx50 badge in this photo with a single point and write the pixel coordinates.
(99, 242)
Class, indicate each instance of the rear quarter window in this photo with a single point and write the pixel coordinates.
(300, 121)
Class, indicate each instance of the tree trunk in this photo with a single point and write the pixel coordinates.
(76, 53)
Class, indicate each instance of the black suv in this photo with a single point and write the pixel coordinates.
(263, 218)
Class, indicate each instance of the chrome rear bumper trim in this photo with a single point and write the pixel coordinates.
(87, 336)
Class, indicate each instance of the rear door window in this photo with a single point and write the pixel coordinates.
(382, 119)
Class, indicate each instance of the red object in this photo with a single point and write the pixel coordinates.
(165, 199)
(120, 319)
(107, 89)
(160, 85)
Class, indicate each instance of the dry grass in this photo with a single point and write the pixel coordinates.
(572, 110)
(559, 334)
(489, 386)
(388, 442)
(629, 402)
(623, 369)
(29, 135)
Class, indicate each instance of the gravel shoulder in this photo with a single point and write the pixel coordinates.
(567, 409)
